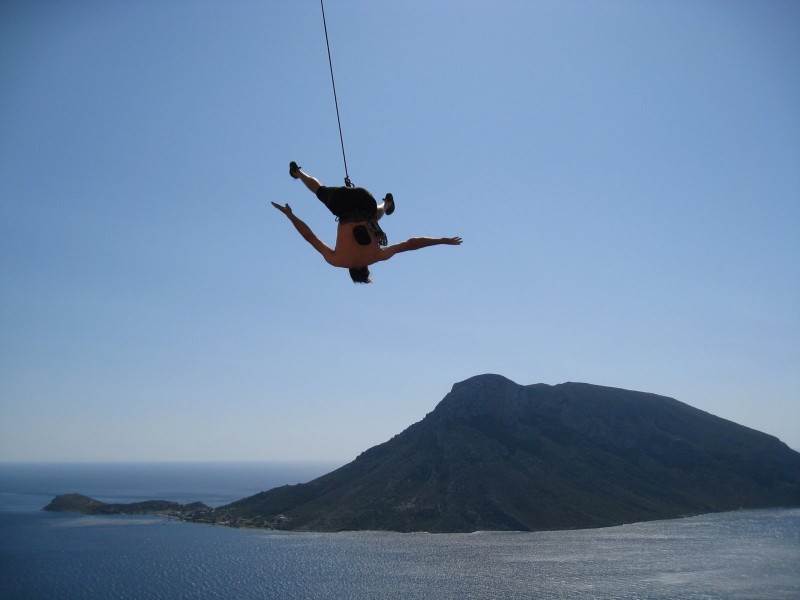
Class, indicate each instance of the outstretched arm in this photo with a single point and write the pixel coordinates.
(419, 242)
(305, 231)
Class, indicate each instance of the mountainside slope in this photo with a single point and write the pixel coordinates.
(495, 455)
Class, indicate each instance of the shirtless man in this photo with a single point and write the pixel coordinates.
(359, 238)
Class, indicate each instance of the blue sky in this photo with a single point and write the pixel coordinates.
(625, 176)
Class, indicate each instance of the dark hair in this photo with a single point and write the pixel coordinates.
(360, 275)
(362, 235)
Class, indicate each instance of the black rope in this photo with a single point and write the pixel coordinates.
(347, 181)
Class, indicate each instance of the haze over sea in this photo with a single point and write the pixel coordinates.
(745, 554)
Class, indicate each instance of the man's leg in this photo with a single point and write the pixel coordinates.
(297, 173)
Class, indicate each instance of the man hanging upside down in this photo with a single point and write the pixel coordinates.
(359, 238)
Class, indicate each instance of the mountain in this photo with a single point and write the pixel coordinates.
(495, 455)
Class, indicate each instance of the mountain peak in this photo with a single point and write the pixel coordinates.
(485, 381)
(480, 394)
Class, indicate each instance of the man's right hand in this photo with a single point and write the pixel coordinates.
(285, 209)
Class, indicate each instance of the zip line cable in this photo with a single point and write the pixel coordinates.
(347, 181)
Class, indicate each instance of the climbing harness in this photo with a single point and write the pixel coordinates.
(347, 181)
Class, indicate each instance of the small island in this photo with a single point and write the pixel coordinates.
(195, 512)
(89, 506)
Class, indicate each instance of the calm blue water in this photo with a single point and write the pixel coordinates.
(746, 554)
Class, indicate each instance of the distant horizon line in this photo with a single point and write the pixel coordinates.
(173, 461)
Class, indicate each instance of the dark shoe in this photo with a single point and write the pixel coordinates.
(293, 169)
(388, 204)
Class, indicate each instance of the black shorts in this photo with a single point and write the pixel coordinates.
(349, 202)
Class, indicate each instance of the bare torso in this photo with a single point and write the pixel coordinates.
(349, 253)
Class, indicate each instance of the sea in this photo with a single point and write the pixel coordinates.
(743, 554)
